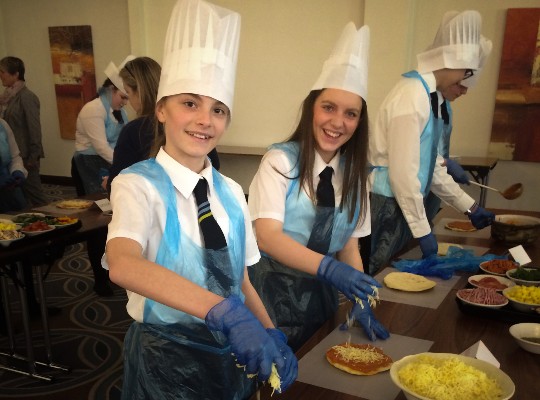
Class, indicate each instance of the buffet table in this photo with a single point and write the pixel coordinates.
(36, 251)
(441, 327)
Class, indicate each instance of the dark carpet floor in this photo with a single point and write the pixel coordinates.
(87, 335)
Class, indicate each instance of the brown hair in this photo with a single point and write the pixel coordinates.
(142, 75)
(354, 151)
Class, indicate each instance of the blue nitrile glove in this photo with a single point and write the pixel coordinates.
(428, 245)
(18, 177)
(250, 342)
(289, 372)
(346, 279)
(363, 314)
(456, 171)
(481, 218)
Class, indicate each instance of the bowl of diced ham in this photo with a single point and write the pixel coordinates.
(482, 297)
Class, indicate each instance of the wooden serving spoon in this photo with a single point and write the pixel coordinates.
(510, 193)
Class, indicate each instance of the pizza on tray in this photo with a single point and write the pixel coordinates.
(460, 226)
(358, 359)
(76, 203)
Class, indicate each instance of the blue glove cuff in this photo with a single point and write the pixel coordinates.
(215, 319)
(277, 334)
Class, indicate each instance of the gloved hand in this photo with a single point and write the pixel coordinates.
(428, 245)
(250, 342)
(18, 177)
(481, 218)
(456, 171)
(363, 314)
(289, 373)
(346, 279)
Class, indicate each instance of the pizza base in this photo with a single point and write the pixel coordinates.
(379, 360)
(460, 226)
(70, 204)
(443, 248)
(408, 282)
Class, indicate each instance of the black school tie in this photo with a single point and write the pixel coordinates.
(325, 190)
(212, 234)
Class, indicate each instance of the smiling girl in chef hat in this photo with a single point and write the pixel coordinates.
(311, 245)
(192, 304)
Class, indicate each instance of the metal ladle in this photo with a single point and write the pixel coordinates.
(510, 193)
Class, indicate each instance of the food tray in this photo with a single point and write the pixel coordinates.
(506, 313)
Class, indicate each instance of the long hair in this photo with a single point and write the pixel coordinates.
(355, 152)
(142, 76)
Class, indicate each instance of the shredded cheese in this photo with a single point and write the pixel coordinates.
(354, 354)
(448, 379)
(274, 380)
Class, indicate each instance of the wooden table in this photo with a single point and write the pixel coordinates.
(36, 248)
(479, 168)
(451, 331)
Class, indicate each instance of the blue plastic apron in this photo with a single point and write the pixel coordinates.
(298, 303)
(178, 354)
(389, 229)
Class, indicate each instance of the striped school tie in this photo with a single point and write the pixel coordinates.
(212, 234)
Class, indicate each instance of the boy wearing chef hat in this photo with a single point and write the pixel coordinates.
(403, 143)
(310, 241)
(197, 316)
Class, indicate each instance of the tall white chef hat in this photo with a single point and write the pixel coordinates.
(347, 66)
(485, 51)
(113, 73)
(456, 45)
(201, 50)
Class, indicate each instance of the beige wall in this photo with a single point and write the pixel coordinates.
(283, 45)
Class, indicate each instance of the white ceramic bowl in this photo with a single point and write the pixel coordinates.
(484, 267)
(34, 233)
(477, 278)
(521, 282)
(503, 380)
(527, 330)
(521, 306)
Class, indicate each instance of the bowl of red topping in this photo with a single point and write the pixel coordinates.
(498, 266)
(36, 228)
(488, 281)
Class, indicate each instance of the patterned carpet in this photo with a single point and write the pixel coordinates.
(87, 335)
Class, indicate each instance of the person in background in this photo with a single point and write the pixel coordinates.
(19, 107)
(140, 77)
(441, 109)
(98, 125)
(12, 171)
(309, 239)
(403, 143)
(180, 236)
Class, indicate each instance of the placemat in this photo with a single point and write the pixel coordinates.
(416, 253)
(431, 298)
(315, 370)
(439, 229)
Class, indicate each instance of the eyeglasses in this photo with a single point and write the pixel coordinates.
(468, 74)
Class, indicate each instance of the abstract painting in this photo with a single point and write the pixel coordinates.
(515, 132)
(72, 57)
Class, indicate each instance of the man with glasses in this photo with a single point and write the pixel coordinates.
(406, 135)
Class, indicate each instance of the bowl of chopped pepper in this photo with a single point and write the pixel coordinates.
(524, 276)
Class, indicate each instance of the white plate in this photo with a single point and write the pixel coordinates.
(500, 279)
(458, 294)
(64, 225)
(34, 233)
(15, 217)
(521, 282)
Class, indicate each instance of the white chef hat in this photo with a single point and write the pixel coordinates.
(347, 66)
(456, 45)
(113, 73)
(201, 50)
(485, 51)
